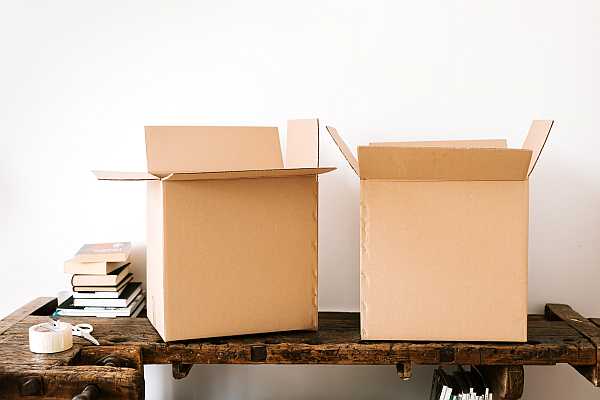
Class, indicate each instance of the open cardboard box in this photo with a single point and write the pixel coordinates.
(444, 237)
(231, 232)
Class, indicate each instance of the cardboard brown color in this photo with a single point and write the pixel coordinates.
(477, 143)
(231, 232)
(444, 238)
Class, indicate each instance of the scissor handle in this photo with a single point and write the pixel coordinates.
(84, 327)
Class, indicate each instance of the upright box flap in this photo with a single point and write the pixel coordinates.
(535, 140)
(346, 152)
(302, 149)
(211, 148)
(124, 176)
(258, 173)
(468, 144)
(442, 164)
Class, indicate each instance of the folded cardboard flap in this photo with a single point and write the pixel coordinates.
(536, 139)
(258, 173)
(302, 145)
(486, 159)
(442, 163)
(477, 143)
(226, 152)
(346, 152)
(212, 148)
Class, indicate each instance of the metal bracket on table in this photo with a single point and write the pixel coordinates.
(181, 370)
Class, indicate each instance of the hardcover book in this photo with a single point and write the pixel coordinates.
(87, 291)
(73, 266)
(109, 252)
(112, 279)
(129, 294)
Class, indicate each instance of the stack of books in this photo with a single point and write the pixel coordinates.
(103, 285)
(460, 385)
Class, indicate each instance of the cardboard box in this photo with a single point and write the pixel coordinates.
(231, 233)
(444, 232)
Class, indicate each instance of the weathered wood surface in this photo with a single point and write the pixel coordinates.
(506, 382)
(28, 309)
(126, 344)
(336, 342)
(586, 328)
(24, 375)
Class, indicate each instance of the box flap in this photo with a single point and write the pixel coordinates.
(257, 173)
(535, 140)
(124, 176)
(302, 148)
(211, 148)
(442, 164)
(346, 152)
(468, 144)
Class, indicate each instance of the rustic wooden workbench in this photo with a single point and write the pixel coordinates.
(114, 370)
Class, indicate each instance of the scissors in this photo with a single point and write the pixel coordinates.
(84, 331)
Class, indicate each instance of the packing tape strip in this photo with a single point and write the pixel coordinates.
(45, 338)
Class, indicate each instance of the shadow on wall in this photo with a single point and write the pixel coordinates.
(138, 263)
(563, 252)
(220, 382)
(287, 382)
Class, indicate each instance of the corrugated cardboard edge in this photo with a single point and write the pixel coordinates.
(363, 261)
(536, 139)
(247, 174)
(155, 250)
(346, 152)
(315, 271)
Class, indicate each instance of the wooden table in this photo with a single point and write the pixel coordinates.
(114, 370)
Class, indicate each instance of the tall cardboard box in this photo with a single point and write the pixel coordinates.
(231, 233)
(444, 236)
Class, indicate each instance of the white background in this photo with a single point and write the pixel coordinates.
(80, 79)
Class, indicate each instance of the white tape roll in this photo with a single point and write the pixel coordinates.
(47, 338)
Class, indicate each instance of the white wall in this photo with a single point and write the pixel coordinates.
(79, 80)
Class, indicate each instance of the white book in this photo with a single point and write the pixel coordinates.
(92, 268)
(139, 309)
(443, 394)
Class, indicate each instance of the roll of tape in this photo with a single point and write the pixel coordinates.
(48, 338)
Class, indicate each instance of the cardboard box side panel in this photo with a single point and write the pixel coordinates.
(241, 256)
(441, 164)
(525, 210)
(302, 144)
(444, 260)
(465, 144)
(155, 256)
(211, 148)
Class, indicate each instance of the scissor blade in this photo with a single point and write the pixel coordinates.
(91, 339)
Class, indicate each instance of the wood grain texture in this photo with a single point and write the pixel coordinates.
(28, 309)
(126, 344)
(585, 327)
(506, 382)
